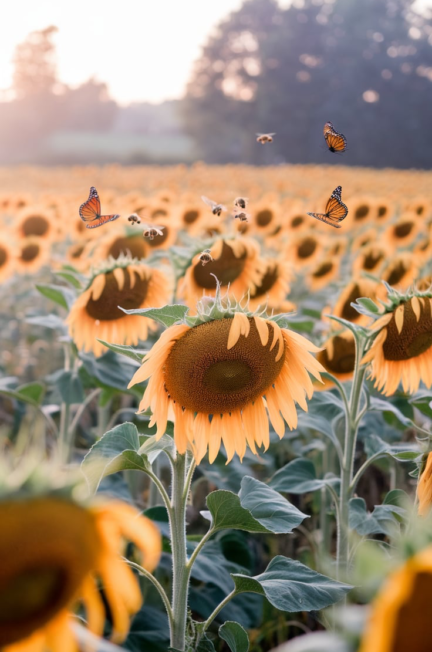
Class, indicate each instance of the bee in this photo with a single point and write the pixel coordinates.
(205, 257)
(241, 202)
(152, 230)
(216, 209)
(134, 219)
(242, 216)
(265, 138)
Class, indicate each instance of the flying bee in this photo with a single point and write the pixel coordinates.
(242, 216)
(205, 257)
(265, 138)
(216, 209)
(134, 219)
(152, 230)
(241, 202)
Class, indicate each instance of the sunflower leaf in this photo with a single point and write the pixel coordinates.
(63, 296)
(168, 315)
(299, 477)
(365, 306)
(383, 520)
(153, 447)
(125, 350)
(116, 451)
(234, 636)
(31, 393)
(291, 586)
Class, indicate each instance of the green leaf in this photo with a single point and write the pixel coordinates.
(368, 304)
(386, 407)
(299, 477)
(71, 278)
(423, 402)
(69, 385)
(168, 315)
(63, 296)
(125, 350)
(404, 452)
(116, 451)
(257, 508)
(205, 645)
(234, 636)
(152, 448)
(31, 393)
(294, 321)
(48, 321)
(291, 586)
(109, 370)
(383, 520)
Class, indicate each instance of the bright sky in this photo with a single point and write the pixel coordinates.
(143, 49)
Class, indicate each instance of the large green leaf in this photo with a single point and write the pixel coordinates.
(61, 295)
(123, 349)
(116, 451)
(291, 586)
(423, 402)
(299, 477)
(168, 315)
(257, 508)
(152, 448)
(383, 520)
(110, 370)
(404, 452)
(69, 385)
(31, 393)
(234, 636)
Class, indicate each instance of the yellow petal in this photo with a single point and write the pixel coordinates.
(98, 286)
(119, 275)
(399, 317)
(263, 330)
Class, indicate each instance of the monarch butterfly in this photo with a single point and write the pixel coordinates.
(336, 142)
(90, 211)
(336, 211)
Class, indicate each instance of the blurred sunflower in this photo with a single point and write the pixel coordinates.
(37, 221)
(273, 287)
(122, 243)
(337, 247)
(7, 258)
(191, 215)
(365, 238)
(422, 250)
(384, 210)
(305, 249)
(400, 273)
(402, 348)
(403, 232)
(323, 273)
(78, 255)
(126, 283)
(265, 217)
(421, 207)
(424, 487)
(168, 237)
(219, 378)
(358, 287)
(236, 263)
(31, 254)
(54, 552)
(338, 358)
(399, 620)
(361, 209)
(370, 259)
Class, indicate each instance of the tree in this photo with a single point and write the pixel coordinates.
(366, 66)
(35, 66)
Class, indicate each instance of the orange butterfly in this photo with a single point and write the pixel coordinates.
(90, 211)
(336, 210)
(336, 142)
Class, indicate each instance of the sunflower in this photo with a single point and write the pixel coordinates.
(399, 620)
(7, 258)
(400, 273)
(384, 210)
(95, 314)
(305, 250)
(337, 247)
(362, 209)
(424, 487)
(78, 256)
(421, 207)
(168, 237)
(265, 218)
(274, 285)
(370, 259)
(54, 552)
(422, 250)
(323, 273)
(192, 215)
(37, 221)
(219, 378)
(122, 242)
(235, 263)
(365, 238)
(31, 254)
(358, 287)
(402, 348)
(403, 232)
(338, 358)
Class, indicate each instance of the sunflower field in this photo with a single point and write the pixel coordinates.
(215, 418)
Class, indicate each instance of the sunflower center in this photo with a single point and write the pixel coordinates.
(323, 269)
(343, 359)
(30, 594)
(77, 251)
(264, 217)
(413, 629)
(403, 230)
(189, 217)
(159, 212)
(3, 256)
(202, 375)
(382, 211)
(227, 268)
(267, 282)
(415, 337)
(297, 221)
(361, 212)
(106, 307)
(372, 260)
(348, 312)
(397, 274)
(29, 252)
(307, 248)
(134, 244)
(35, 225)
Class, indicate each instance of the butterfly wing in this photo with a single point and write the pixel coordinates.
(100, 220)
(90, 209)
(337, 192)
(335, 142)
(336, 210)
(328, 127)
(324, 217)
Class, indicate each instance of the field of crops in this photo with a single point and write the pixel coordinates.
(215, 430)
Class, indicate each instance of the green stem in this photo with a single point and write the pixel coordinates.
(219, 608)
(145, 573)
(64, 443)
(199, 547)
(81, 411)
(363, 468)
(154, 490)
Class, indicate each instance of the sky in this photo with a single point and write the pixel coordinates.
(143, 49)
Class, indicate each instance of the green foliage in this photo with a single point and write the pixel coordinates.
(299, 477)
(235, 636)
(30, 393)
(383, 519)
(168, 315)
(63, 296)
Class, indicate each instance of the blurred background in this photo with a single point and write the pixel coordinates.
(167, 82)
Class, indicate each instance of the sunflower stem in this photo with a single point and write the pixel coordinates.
(351, 429)
(64, 442)
(177, 517)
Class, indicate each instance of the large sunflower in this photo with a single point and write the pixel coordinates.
(54, 553)
(221, 377)
(235, 263)
(400, 619)
(402, 348)
(126, 283)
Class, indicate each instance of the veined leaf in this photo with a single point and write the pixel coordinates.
(299, 477)
(63, 296)
(234, 636)
(168, 315)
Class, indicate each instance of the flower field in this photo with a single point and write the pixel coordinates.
(215, 428)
